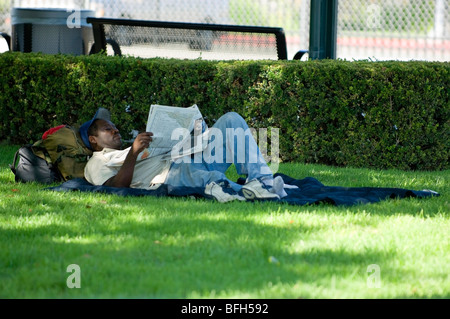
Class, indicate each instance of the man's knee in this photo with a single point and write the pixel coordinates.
(233, 115)
(232, 119)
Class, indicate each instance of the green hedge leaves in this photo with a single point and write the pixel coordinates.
(361, 114)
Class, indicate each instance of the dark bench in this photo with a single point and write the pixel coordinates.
(141, 35)
(7, 38)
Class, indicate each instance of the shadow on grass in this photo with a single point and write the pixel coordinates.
(137, 252)
(128, 249)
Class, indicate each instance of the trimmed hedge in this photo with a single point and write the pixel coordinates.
(360, 114)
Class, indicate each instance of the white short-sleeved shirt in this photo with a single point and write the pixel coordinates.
(148, 173)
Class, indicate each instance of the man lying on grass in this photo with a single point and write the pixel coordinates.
(112, 166)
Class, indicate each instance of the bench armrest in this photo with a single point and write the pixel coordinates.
(300, 54)
(7, 37)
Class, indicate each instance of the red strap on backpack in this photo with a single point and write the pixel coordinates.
(51, 131)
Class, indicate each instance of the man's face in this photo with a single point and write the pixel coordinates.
(107, 136)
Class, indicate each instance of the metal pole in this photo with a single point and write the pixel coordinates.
(323, 29)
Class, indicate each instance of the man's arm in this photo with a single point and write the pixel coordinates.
(125, 174)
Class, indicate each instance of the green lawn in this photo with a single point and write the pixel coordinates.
(185, 248)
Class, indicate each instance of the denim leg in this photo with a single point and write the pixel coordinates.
(237, 146)
(191, 174)
(231, 143)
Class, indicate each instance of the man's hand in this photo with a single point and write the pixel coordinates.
(125, 174)
(141, 142)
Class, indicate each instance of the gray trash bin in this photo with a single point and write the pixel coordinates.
(51, 31)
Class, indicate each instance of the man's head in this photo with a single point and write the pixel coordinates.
(100, 132)
(104, 134)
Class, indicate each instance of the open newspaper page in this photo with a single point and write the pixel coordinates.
(173, 131)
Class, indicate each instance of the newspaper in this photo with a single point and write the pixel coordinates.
(177, 131)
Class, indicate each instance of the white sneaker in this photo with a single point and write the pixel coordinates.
(214, 190)
(256, 190)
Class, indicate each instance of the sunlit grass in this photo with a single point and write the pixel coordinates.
(149, 247)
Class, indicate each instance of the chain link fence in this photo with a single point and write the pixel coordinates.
(400, 30)
(367, 29)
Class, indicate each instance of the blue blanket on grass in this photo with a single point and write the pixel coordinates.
(309, 191)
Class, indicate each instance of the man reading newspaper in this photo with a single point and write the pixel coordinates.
(160, 156)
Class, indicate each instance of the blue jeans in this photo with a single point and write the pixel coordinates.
(224, 149)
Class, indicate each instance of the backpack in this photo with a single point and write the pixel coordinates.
(32, 168)
(63, 149)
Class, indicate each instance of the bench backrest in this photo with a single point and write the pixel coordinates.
(186, 40)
